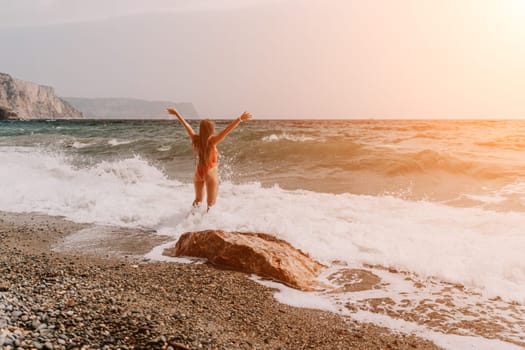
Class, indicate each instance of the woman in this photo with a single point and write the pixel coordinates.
(204, 143)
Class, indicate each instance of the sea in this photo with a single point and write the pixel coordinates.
(435, 208)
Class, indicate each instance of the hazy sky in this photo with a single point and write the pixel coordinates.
(278, 58)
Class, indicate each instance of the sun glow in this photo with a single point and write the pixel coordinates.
(513, 15)
(517, 6)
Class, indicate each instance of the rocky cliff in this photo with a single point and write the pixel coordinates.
(250, 252)
(24, 100)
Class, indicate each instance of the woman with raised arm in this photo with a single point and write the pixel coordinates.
(204, 143)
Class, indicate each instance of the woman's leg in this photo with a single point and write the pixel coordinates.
(212, 186)
(199, 189)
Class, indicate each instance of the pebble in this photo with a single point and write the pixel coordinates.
(57, 302)
(35, 324)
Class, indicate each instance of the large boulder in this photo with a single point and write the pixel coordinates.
(257, 253)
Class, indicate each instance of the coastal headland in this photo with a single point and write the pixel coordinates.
(23, 100)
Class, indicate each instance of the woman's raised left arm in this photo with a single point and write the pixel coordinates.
(221, 135)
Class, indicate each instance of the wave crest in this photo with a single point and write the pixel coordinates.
(287, 137)
(428, 162)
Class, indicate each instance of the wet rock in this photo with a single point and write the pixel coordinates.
(258, 253)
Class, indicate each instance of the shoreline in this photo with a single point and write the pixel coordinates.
(111, 298)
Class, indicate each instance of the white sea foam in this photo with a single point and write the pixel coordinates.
(509, 196)
(79, 145)
(115, 142)
(472, 246)
(297, 298)
(288, 137)
(128, 192)
(163, 148)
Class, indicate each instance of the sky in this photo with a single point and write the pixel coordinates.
(278, 58)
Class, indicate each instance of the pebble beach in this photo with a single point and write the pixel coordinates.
(113, 299)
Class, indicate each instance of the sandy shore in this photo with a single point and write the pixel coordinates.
(109, 298)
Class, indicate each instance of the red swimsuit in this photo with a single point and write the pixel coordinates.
(203, 170)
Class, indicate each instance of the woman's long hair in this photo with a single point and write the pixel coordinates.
(200, 141)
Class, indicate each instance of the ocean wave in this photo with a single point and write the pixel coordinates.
(510, 195)
(404, 126)
(511, 142)
(426, 238)
(382, 160)
(395, 163)
(108, 192)
(287, 137)
(78, 144)
(163, 148)
(430, 136)
(115, 142)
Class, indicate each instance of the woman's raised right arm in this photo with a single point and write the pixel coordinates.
(187, 126)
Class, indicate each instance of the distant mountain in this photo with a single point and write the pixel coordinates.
(22, 100)
(129, 108)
